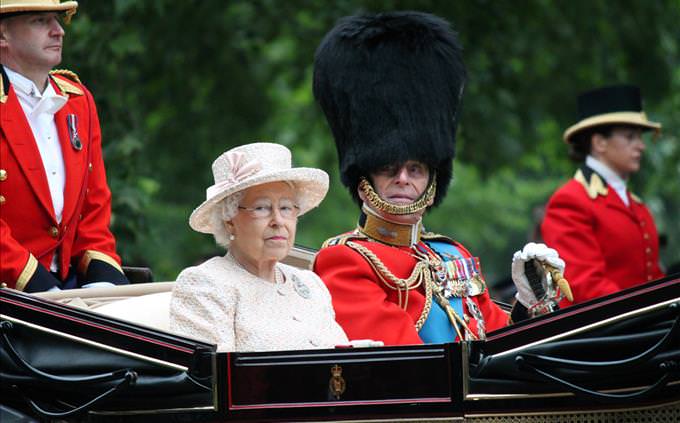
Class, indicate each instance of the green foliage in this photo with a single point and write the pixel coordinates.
(178, 82)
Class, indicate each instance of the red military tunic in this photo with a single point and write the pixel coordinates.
(29, 232)
(367, 308)
(606, 245)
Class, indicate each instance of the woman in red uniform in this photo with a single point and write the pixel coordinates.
(606, 234)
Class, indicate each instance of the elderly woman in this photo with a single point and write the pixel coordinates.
(247, 300)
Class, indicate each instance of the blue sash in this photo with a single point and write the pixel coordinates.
(437, 328)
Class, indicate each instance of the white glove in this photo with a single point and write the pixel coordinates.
(536, 253)
(363, 343)
(55, 288)
(98, 285)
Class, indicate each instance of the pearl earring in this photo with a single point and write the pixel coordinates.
(231, 237)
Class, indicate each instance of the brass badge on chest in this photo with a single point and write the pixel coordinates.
(300, 287)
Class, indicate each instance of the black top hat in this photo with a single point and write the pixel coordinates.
(618, 104)
(390, 86)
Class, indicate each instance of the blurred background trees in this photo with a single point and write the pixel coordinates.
(179, 82)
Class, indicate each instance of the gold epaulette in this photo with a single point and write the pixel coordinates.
(594, 186)
(3, 95)
(432, 236)
(636, 198)
(64, 84)
(70, 74)
(343, 238)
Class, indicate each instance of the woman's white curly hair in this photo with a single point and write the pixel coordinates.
(223, 211)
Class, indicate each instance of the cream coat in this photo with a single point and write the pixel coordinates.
(220, 302)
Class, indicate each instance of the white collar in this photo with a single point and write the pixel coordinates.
(35, 103)
(23, 84)
(612, 178)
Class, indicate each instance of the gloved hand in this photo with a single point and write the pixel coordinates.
(98, 285)
(541, 289)
(363, 343)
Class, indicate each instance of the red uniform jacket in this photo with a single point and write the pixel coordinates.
(606, 245)
(29, 232)
(367, 309)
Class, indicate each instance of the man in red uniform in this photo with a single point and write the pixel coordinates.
(390, 86)
(55, 204)
(605, 234)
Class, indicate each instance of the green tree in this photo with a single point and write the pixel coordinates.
(177, 83)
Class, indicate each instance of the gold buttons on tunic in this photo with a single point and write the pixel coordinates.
(648, 250)
(89, 167)
(2, 199)
(54, 231)
(645, 235)
(3, 175)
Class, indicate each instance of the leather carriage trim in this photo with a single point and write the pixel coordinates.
(96, 255)
(340, 404)
(27, 273)
(84, 322)
(594, 186)
(98, 344)
(591, 326)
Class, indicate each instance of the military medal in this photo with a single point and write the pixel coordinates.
(300, 287)
(477, 315)
(72, 125)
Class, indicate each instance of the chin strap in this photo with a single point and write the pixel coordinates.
(392, 233)
(398, 209)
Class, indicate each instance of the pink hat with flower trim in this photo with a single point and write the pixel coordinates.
(255, 164)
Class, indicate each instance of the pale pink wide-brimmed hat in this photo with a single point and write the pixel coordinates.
(254, 164)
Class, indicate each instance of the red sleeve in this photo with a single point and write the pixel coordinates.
(93, 233)
(19, 269)
(494, 316)
(567, 228)
(361, 304)
(13, 256)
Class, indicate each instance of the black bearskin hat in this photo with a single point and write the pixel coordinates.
(390, 85)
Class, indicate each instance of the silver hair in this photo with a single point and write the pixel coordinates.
(221, 212)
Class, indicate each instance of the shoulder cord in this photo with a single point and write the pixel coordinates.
(420, 275)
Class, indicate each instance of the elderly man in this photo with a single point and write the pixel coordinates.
(55, 204)
(390, 86)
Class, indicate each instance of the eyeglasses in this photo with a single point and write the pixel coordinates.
(266, 211)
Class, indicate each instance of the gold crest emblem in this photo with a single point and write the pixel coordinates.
(337, 384)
